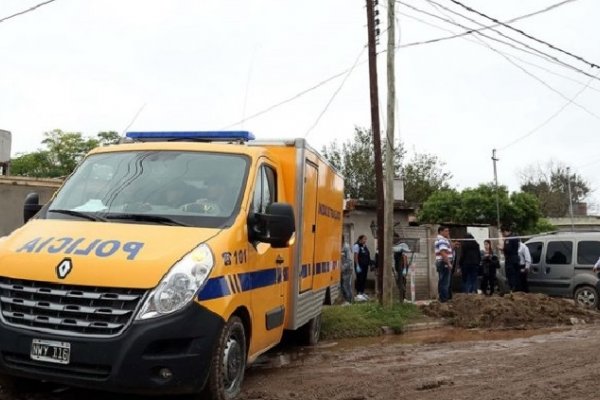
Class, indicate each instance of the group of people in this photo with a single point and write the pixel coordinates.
(467, 259)
(356, 261)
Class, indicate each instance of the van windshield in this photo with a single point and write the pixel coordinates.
(161, 187)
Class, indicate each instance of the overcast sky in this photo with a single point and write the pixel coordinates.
(91, 65)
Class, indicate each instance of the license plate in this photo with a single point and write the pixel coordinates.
(51, 351)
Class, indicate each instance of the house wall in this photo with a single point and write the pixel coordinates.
(13, 191)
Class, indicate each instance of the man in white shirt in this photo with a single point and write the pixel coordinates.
(443, 262)
(597, 266)
(524, 266)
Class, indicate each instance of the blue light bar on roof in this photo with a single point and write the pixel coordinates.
(190, 135)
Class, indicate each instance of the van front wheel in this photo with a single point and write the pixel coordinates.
(586, 296)
(228, 363)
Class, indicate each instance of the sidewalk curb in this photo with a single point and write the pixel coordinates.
(422, 326)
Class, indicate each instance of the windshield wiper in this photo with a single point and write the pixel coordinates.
(147, 218)
(79, 214)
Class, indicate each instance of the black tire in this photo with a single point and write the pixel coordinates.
(310, 333)
(586, 296)
(228, 362)
(16, 385)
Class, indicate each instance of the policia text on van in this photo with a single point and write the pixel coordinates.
(166, 264)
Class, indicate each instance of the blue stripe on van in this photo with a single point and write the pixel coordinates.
(258, 279)
(214, 288)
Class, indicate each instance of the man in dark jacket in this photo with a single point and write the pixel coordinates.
(511, 257)
(470, 259)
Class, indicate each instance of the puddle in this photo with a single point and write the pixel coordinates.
(291, 355)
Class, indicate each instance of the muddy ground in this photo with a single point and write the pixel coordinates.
(548, 352)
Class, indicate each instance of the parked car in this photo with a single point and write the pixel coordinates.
(562, 265)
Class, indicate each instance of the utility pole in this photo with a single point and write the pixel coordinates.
(570, 198)
(494, 159)
(388, 259)
(371, 27)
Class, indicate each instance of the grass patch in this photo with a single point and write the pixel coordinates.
(364, 319)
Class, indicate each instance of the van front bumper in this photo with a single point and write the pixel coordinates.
(163, 355)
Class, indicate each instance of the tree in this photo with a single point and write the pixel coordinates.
(355, 159)
(36, 164)
(422, 175)
(61, 153)
(108, 137)
(549, 185)
(478, 206)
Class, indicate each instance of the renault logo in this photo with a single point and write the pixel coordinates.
(63, 268)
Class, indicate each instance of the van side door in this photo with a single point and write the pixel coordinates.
(265, 275)
(558, 267)
(588, 252)
(535, 276)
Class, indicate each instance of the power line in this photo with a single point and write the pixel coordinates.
(471, 31)
(335, 93)
(27, 10)
(569, 100)
(521, 60)
(533, 51)
(526, 34)
(290, 99)
(554, 115)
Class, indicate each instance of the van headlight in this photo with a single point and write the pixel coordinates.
(180, 284)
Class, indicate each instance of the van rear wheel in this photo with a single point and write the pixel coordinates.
(586, 296)
(228, 363)
(311, 332)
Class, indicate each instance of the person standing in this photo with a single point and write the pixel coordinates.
(362, 260)
(596, 266)
(489, 263)
(524, 266)
(443, 262)
(347, 271)
(470, 259)
(511, 257)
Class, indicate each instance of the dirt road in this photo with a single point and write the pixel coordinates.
(550, 365)
(440, 364)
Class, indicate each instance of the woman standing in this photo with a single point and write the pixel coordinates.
(362, 260)
(489, 262)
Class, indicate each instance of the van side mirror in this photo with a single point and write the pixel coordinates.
(31, 206)
(276, 226)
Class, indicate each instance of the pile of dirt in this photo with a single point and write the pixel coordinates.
(512, 311)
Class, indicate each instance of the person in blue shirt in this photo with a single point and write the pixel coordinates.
(362, 261)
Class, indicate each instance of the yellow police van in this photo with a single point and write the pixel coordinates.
(169, 262)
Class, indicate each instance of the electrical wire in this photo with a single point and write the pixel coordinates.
(514, 57)
(27, 10)
(289, 99)
(331, 78)
(554, 115)
(335, 93)
(579, 58)
(538, 53)
(471, 31)
(544, 83)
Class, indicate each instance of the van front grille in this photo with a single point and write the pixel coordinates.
(67, 309)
